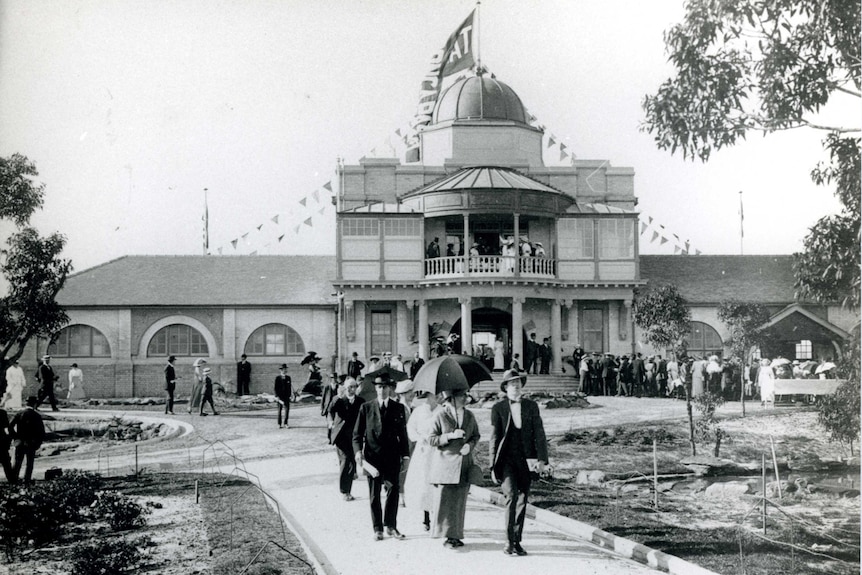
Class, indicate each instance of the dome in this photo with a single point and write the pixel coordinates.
(479, 98)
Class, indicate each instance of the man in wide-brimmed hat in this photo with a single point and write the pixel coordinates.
(283, 394)
(517, 434)
(380, 441)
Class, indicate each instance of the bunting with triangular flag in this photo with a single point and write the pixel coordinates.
(654, 236)
(245, 235)
(281, 237)
(302, 201)
(663, 241)
(233, 243)
(275, 218)
(328, 185)
(563, 155)
(307, 222)
(643, 228)
(697, 252)
(260, 226)
(321, 210)
(676, 250)
(296, 229)
(551, 141)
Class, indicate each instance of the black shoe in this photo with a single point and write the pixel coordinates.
(450, 544)
(518, 549)
(203, 414)
(427, 526)
(378, 535)
(509, 549)
(457, 543)
(394, 533)
(348, 497)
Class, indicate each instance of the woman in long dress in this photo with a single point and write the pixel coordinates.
(418, 493)
(499, 357)
(76, 383)
(453, 432)
(15, 383)
(197, 384)
(766, 381)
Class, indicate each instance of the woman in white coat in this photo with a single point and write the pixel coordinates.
(766, 381)
(15, 383)
(418, 493)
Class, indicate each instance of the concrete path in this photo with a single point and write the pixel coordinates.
(299, 469)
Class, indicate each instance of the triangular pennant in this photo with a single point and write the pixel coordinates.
(676, 250)
(663, 241)
(245, 235)
(316, 196)
(281, 237)
(676, 236)
(296, 229)
(532, 118)
(661, 226)
(254, 253)
(562, 146)
(302, 201)
(649, 218)
(328, 186)
(233, 243)
(563, 155)
(260, 226)
(551, 141)
(274, 219)
(697, 252)
(321, 210)
(643, 228)
(654, 236)
(398, 132)
(219, 251)
(307, 222)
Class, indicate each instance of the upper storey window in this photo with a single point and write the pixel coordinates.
(360, 227)
(616, 239)
(576, 238)
(402, 227)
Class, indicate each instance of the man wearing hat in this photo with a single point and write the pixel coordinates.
(29, 431)
(243, 376)
(354, 366)
(47, 377)
(208, 392)
(517, 434)
(170, 385)
(343, 413)
(283, 394)
(380, 441)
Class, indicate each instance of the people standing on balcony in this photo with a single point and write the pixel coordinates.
(526, 250)
(433, 250)
(450, 258)
(531, 355)
(474, 257)
(507, 250)
(545, 357)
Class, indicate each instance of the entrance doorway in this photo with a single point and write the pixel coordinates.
(491, 338)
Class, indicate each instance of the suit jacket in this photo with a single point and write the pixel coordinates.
(283, 388)
(415, 366)
(47, 376)
(243, 372)
(444, 450)
(344, 416)
(532, 350)
(382, 440)
(27, 427)
(354, 368)
(170, 378)
(609, 367)
(532, 433)
(327, 397)
(638, 370)
(545, 352)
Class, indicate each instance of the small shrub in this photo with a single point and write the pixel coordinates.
(121, 512)
(65, 496)
(106, 557)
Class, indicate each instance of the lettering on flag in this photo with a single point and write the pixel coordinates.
(456, 56)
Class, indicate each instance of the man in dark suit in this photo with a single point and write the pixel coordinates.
(545, 356)
(283, 394)
(577, 356)
(170, 385)
(416, 365)
(638, 374)
(5, 444)
(531, 354)
(47, 377)
(243, 376)
(354, 366)
(517, 434)
(609, 374)
(380, 440)
(344, 412)
(29, 432)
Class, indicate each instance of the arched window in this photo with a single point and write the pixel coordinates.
(80, 341)
(703, 340)
(177, 339)
(274, 339)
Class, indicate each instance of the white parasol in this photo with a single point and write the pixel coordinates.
(824, 367)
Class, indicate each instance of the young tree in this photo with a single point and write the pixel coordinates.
(661, 312)
(31, 264)
(745, 323)
(747, 66)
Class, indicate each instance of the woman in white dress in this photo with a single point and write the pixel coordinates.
(15, 382)
(766, 381)
(76, 383)
(418, 493)
(499, 358)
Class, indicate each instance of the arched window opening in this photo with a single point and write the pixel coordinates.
(80, 341)
(274, 339)
(177, 339)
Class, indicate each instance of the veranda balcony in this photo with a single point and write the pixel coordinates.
(490, 266)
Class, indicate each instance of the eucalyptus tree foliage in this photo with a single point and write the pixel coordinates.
(743, 66)
(662, 315)
(30, 263)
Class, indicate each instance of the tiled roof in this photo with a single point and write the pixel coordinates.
(203, 281)
(597, 209)
(712, 279)
(484, 178)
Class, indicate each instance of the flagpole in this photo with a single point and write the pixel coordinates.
(476, 39)
(206, 224)
(741, 218)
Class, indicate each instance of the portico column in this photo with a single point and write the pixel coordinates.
(518, 328)
(349, 325)
(466, 325)
(423, 329)
(625, 308)
(516, 225)
(556, 337)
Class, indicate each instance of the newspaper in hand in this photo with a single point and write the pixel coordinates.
(370, 469)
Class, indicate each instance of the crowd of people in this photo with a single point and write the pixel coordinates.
(507, 247)
(415, 448)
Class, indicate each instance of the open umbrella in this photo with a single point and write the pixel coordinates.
(823, 367)
(386, 371)
(808, 366)
(780, 361)
(450, 372)
(309, 357)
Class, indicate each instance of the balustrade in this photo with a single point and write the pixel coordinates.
(496, 266)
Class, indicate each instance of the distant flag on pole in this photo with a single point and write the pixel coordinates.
(206, 220)
(456, 56)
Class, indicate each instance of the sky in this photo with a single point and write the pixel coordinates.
(132, 109)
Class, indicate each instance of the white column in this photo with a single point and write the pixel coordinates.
(556, 337)
(466, 325)
(423, 329)
(518, 328)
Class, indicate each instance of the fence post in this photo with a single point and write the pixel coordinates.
(655, 472)
(763, 482)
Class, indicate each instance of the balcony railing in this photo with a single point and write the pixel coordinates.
(494, 266)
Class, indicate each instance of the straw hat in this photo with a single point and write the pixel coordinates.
(511, 375)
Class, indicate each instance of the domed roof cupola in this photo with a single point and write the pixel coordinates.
(479, 98)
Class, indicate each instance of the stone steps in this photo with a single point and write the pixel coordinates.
(557, 384)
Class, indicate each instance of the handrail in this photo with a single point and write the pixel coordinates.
(490, 265)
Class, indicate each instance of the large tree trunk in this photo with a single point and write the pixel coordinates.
(690, 421)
